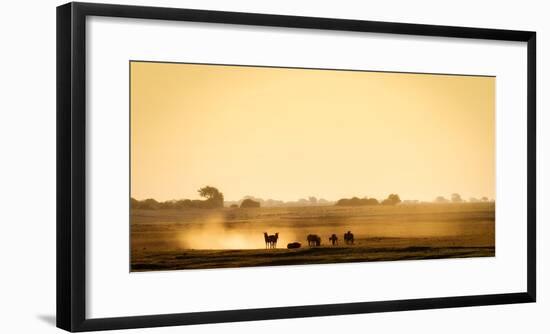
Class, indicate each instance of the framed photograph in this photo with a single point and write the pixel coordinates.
(220, 166)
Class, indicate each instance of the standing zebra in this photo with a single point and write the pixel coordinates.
(271, 240)
(348, 237)
(313, 240)
(266, 238)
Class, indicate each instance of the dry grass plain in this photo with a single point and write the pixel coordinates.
(233, 237)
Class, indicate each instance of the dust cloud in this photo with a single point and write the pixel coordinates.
(216, 233)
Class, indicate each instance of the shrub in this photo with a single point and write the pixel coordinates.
(248, 203)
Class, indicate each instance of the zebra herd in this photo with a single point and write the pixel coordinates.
(313, 240)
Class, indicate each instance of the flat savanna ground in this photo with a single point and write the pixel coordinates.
(233, 237)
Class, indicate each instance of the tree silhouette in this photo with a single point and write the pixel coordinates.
(441, 199)
(149, 204)
(455, 198)
(214, 198)
(134, 203)
(249, 203)
(392, 199)
(356, 201)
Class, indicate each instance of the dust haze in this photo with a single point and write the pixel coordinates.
(234, 237)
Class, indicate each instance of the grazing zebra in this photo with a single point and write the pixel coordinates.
(333, 239)
(294, 245)
(348, 237)
(313, 240)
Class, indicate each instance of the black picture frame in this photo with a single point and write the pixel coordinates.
(71, 166)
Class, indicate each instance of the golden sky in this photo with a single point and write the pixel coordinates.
(291, 133)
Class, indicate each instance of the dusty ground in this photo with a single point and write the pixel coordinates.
(220, 238)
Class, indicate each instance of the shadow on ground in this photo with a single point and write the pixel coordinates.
(47, 318)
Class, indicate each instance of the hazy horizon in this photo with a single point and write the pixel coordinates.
(287, 134)
(197, 197)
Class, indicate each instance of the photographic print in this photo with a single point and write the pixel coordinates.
(240, 166)
(340, 159)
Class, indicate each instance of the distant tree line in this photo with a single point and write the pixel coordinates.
(392, 199)
(213, 199)
(456, 198)
(310, 201)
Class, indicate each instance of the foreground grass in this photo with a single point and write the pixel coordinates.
(202, 259)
